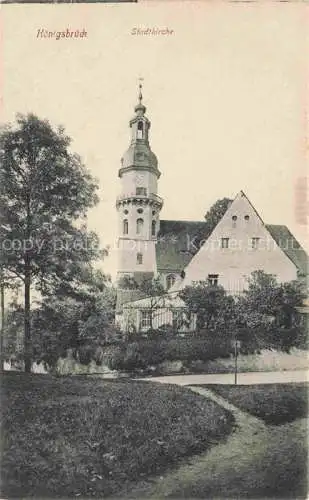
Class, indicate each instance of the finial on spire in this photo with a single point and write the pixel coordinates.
(140, 109)
(140, 95)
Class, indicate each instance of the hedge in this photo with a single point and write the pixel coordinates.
(150, 352)
(142, 353)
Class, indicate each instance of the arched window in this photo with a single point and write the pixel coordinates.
(139, 258)
(153, 228)
(139, 226)
(125, 226)
(170, 280)
(140, 130)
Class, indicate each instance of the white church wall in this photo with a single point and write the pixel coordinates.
(234, 264)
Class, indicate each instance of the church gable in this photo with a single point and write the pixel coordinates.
(239, 245)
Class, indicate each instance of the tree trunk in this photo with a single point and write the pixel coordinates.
(27, 331)
(27, 328)
(2, 328)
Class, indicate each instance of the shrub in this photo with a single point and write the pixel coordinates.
(113, 356)
(144, 353)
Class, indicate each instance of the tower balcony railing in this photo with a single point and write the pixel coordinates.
(140, 197)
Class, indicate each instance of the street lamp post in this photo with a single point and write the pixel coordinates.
(236, 354)
(236, 345)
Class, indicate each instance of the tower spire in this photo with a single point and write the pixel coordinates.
(140, 109)
(140, 95)
(140, 86)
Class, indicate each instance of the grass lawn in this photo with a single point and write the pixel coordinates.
(275, 464)
(71, 436)
(265, 461)
(276, 404)
(264, 465)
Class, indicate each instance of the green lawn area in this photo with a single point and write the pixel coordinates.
(276, 404)
(264, 466)
(69, 436)
(267, 461)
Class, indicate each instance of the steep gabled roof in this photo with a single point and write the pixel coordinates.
(177, 243)
(286, 241)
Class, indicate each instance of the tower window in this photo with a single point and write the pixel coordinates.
(141, 190)
(170, 280)
(213, 279)
(224, 242)
(126, 212)
(255, 243)
(125, 226)
(139, 210)
(139, 258)
(140, 130)
(153, 228)
(246, 217)
(139, 226)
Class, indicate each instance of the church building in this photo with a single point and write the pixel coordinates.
(181, 253)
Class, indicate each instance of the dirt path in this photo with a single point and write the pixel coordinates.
(244, 378)
(244, 466)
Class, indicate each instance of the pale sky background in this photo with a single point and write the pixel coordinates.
(227, 96)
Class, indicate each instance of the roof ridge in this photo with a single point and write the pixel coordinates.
(186, 221)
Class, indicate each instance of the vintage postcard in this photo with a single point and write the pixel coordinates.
(154, 250)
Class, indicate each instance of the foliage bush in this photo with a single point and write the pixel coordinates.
(266, 315)
(140, 355)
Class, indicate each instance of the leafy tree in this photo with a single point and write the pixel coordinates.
(151, 287)
(212, 217)
(213, 308)
(7, 282)
(256, 308)
(269, 308)
(45, 191)
(13, 332)
(98, 324)
(216, 212)
(267, 297)
(128, 283)
(82, 323)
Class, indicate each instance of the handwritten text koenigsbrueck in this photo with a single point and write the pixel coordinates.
(64, 34)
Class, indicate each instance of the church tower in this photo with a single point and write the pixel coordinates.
(138, 204)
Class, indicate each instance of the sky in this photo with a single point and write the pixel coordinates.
(226, 93)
